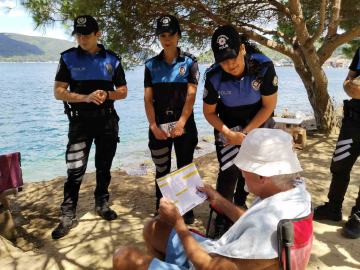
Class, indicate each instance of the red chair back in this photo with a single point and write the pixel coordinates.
(303, 238)
(10, 171)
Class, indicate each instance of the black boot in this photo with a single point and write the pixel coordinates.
(352, 226)
(105, 212)
(326, 212)
(66, 224)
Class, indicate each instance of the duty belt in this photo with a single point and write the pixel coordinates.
(168, 116)
(94, 113)
(350, 111)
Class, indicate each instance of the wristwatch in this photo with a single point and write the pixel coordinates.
(244, 131)
(107, 94)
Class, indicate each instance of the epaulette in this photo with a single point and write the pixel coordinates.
(212, 69)
(114, 54)
(151, 58)
(191, 56)
(69, 50)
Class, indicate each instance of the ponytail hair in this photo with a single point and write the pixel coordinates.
(250, 47)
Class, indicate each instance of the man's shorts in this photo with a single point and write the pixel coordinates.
(176, 258)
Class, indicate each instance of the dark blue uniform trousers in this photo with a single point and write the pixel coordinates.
(345, 155)
(82, 131)
(161, 153)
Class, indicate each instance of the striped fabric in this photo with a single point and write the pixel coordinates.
(10, 171)
(227, 156)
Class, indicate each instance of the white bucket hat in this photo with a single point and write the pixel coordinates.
(268, 152)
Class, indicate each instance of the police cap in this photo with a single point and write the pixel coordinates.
(169, 24)
(85, 25)
(225, 43)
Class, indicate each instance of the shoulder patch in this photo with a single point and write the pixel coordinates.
(69, 50)
(213, 68)
(114, 54)
(149, 60)
(191, 56)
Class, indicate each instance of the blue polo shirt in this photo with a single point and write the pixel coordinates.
(239, 100)
(87, 73)
(170, 81)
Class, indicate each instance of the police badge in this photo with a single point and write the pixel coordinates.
(58, 68)
(197, 77)
(182, 70)
(255, 84)
(205, 93)
(109, 68)
(275, 81)
(81, 20)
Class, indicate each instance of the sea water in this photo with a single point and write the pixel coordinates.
(33, 122)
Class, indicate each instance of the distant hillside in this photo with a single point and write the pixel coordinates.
(21, 48)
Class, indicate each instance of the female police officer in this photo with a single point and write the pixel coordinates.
(344, 157)
(240, 95)
(170, 88)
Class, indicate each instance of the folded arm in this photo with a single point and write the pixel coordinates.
(351, 89)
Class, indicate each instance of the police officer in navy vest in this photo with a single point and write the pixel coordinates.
(240, 95)
(171, 80)
(345, 155)
(96, 79)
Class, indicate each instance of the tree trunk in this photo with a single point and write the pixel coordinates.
(325, 116)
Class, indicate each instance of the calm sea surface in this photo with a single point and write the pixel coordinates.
(32, 121)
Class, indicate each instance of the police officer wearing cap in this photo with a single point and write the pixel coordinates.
(345, 155)
(171, 80)
(240, 95)
(96, 79)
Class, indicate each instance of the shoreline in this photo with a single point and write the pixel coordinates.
(205, 146)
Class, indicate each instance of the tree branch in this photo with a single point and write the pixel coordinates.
(280, 7)
(334, 18)
(269, 32)
(322, 23)
(330, 44)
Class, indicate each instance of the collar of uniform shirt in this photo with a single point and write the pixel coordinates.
(181, 55)
(102, 51)
(228, 77)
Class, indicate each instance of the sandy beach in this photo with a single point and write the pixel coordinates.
(36, 212)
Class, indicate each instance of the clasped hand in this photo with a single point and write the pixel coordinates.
(177, 130)
(98, 97)
(235, 137)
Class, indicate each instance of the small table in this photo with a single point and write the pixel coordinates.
(294, 130)
(288, 121)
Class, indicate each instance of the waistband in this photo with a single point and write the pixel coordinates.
(350, 111)
(89, 114)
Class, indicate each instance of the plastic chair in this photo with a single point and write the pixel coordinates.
(295, 237)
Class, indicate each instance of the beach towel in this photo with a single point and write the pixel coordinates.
(254, 234)
(10, 172)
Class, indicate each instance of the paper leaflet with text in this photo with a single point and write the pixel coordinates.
(180, 187)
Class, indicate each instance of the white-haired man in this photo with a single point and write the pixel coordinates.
(270, 167)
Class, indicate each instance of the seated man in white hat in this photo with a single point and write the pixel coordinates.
(270, 167)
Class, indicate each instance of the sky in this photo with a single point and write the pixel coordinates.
(19, 21)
